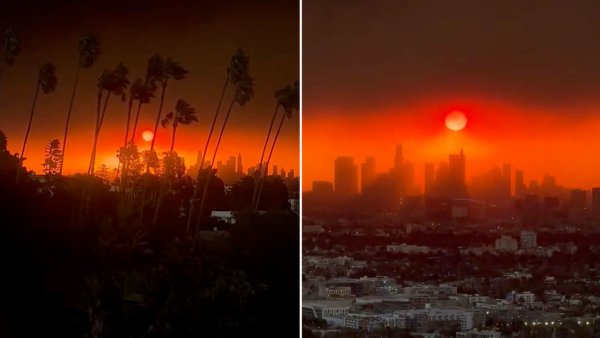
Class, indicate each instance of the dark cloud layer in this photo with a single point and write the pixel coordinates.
(359, 54)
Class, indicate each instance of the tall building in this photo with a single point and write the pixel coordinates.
(322, 187)
(548, 186)
(429, 178)
(578, 199)
(578, 205)
(291, 174)
(520, 188)
(367, 173)
(398, 159)
(506, 179)
(345, 176)
(457, 180)
(528, 240)
(534, 187)
(596, 203)
(240, 169)
(275, 172)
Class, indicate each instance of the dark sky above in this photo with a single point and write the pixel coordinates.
(388, 52)
(202, 35)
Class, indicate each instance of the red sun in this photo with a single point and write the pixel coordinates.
(456, 120)
(147, 135)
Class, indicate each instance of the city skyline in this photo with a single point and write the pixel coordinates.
(511, 180)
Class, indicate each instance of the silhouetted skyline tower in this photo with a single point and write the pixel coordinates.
(240, 169)
(429, 178)
(520, 188)
(322, 187)
(457, 181)
(398, 158)
(367, 172)
(578, 199)
(506, 179)
(345, 176)
(596, 203)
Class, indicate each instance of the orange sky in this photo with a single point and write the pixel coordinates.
(560, 142)
(202, 36)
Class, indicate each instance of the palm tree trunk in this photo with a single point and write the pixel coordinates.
(98, 112)
(163, 185)
(126, 138)
(173, 137)
(64, 144)
(158, 115)
(212, 128)
(212, 163)
(135, 124)
(262, 155)
(22, 154)
(99, 120)
(260, 187)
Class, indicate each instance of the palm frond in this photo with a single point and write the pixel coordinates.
(47, 78)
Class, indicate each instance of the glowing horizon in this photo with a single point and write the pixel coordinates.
(526, 137)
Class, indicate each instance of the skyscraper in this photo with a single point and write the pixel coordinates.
(322, 187)
(596, 203)
(457, 181)
(240, 169)
(578, 199)
(398, 159)
(275, 172)
(345, 176)
(367, 173)
(520, 188)
(506, 180)
(429, 178)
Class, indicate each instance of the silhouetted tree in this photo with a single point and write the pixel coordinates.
(184, 114)
(160, 71)
(10, 49)
(236, 69)
(110, 82)
(47, 83)
(289, 99)
(52, 158)
(143, 93)
(244, 91)
(88, 54)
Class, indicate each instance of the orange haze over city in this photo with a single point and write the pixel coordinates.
(532, 139)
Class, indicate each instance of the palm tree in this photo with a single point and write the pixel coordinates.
(244, 91)
(47, 83)
(112, 82)
(88, 54)
(262, 155)
(143, 93)
(10, 49)
(160, 71)
(289, 99)
(237, 69)
(184, 114)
